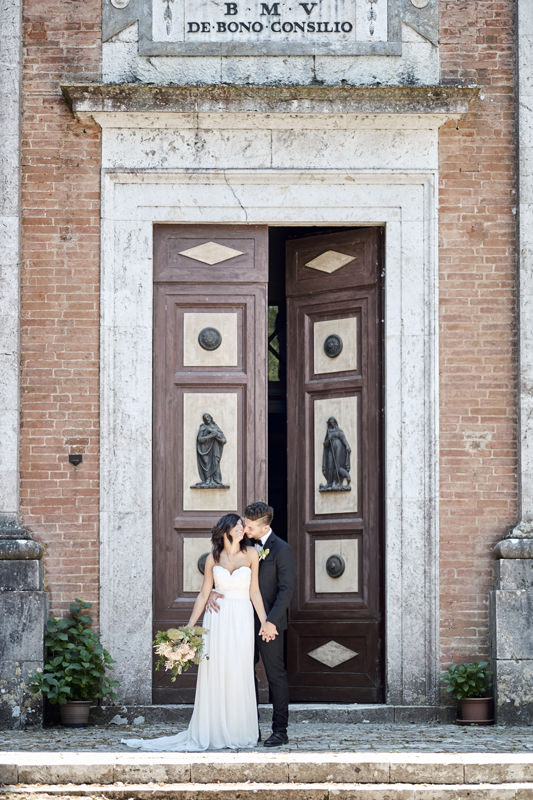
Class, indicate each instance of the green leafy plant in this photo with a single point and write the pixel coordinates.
(468, 680)
(76, 661)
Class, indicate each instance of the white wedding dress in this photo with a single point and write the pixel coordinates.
(225, 710)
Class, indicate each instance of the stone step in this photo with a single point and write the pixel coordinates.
(337, 713)
(173, 769)
(272, 791)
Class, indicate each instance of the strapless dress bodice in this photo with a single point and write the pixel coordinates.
(233, 585)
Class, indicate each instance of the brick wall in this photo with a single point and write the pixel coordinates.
(478, 458)
(60, 298)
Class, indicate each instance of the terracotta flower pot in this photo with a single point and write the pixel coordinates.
(75, 713)
(476, 710)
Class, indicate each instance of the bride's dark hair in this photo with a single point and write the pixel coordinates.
(224, 525)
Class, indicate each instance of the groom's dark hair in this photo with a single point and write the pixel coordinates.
(259, 510)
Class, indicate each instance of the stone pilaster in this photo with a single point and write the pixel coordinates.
(23, 609)
(511, 612)
(22, 600)
(10, 89)
(525, 271)
(511, 602)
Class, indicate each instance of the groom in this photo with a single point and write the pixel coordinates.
(276, 582)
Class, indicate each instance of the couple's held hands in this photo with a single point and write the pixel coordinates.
(268, 631)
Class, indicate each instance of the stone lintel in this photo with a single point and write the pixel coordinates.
(449, 101)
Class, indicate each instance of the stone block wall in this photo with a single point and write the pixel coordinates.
(511, 610)
(23, 607)
(478, 324)
(60, 298)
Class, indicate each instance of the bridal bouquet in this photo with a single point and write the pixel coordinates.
(179, 648)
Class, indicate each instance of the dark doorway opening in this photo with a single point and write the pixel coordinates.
(277, 361)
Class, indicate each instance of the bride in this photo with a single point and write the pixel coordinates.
(225, 710)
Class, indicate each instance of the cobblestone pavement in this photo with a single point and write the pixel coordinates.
(304, 736)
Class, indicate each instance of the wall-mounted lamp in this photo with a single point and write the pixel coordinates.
(75, 458)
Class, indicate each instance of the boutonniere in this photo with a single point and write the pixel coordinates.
(263, 553)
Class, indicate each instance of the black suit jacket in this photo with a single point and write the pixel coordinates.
(277, 573)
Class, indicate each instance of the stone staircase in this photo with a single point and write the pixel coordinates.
(258, 776)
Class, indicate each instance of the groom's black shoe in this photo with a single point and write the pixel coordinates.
(276, 740)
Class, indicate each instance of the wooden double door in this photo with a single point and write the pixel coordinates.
(211, 409)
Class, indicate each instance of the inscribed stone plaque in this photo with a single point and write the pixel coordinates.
(344, 409)
(326, 25)
(282, 27)
(223, 408)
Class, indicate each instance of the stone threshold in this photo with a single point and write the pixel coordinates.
(265, 791)
(273, 769)
(86, 98)
(298, 712)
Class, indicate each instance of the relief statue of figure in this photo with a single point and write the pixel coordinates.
(335, 459)
(210, 443)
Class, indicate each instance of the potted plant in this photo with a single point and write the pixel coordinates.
(470, 684)
(74, 674)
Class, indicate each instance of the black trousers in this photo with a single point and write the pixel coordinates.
(273, 657)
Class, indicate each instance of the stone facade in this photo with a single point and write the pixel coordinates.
(439, 170)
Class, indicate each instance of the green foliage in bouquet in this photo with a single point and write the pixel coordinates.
(468, 680)
(178, 649)
(76, 662)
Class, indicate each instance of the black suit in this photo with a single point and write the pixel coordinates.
(276, 582)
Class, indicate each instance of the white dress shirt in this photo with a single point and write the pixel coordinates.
(263, 540)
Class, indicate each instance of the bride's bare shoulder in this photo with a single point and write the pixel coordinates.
(252, 553)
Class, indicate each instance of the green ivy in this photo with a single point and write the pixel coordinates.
(76, 663)
(468, 680)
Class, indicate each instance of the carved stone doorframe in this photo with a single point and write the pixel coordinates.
(405, 204)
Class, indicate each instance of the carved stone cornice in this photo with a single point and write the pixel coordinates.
(88, 98)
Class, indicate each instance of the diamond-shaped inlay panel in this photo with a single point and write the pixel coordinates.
(330, 261)
(332, 654)
(211, 253)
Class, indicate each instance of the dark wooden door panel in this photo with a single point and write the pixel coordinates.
(205, 278)
(334, 364)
